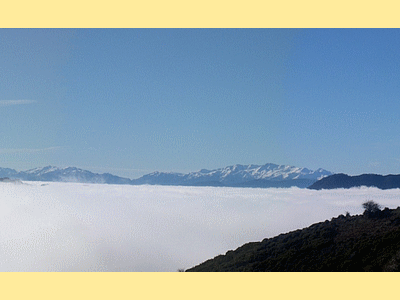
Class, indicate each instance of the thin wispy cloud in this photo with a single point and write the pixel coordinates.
(16, 102)
(27, 150)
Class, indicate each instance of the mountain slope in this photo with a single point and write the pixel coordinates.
(347, 243)
(6, 172)
(336, 181)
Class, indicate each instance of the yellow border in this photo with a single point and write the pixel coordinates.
(171, 14)
(198, 285)
(185, 13)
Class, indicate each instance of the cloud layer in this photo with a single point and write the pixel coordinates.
(89, 227)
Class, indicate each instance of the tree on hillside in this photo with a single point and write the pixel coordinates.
(371, 208)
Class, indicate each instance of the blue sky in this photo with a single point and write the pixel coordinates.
(132, 101)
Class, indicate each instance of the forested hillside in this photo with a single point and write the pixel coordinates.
(367, 242)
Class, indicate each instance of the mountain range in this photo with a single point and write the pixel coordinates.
(268, 175)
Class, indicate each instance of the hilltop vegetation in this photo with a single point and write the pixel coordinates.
(367, 242)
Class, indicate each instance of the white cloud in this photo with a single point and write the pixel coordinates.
(89, 227)
(16, 102)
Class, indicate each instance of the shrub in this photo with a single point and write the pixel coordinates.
(372, 208)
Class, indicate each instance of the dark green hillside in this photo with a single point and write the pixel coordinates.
(368, 242)
(337, 181)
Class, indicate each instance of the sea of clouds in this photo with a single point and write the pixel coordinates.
(96, 227)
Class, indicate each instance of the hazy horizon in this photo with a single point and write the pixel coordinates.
(143, 171)
(121, 172)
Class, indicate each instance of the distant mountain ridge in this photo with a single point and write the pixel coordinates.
(69, 174)
(268, 175)
(337, 181)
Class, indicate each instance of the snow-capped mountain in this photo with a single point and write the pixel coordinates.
(69, 174)
(268, 175)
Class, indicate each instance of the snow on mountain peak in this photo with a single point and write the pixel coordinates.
(242, 173)
(38, 171)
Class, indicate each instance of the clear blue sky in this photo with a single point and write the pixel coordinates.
(132, 101)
